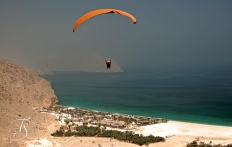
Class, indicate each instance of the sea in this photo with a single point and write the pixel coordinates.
(197, 95)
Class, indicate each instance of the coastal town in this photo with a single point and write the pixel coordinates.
(82, 116)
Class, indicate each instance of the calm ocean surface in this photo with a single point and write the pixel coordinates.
(190, 95)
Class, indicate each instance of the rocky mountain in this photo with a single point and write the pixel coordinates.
(21, 93)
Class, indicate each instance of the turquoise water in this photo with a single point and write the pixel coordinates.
(190, 95)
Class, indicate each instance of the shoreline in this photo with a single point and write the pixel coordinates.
(195, 122)
(166, 123)
(176, 134)
(94, 117)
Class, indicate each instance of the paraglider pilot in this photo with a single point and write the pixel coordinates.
(108, 64)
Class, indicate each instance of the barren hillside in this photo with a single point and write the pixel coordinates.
(21, 92)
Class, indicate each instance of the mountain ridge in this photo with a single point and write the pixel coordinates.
(22, 94)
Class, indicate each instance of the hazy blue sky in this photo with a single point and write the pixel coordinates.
(167, 33)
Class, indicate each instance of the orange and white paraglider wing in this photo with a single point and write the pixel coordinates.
(99, 12)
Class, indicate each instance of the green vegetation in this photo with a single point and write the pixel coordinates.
(202, 144)
(87, 131)
(127, 136)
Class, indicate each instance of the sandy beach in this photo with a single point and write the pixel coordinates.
(172, 128)
(177, 134)
(175, 131)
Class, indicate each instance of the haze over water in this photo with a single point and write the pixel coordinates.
(191, 95)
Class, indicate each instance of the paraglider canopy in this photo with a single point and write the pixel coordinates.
(99, 12)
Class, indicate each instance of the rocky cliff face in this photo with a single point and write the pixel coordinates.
(21, 92)
(19, 85)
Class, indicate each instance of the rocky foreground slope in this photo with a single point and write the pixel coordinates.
(21, 92)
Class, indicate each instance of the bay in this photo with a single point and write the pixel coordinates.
(187, 94)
